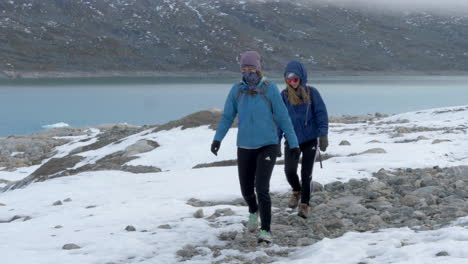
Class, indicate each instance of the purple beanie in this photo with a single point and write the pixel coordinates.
(250, 59)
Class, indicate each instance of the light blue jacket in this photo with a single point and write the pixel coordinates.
(258, 122)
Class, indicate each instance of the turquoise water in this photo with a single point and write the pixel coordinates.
(28, 105)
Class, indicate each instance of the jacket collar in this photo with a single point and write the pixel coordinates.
(258, 85)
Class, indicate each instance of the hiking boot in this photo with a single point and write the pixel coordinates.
(294, 200)
(303, 210)
(265, 236)
(252, 224)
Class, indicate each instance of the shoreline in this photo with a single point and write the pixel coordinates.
(36, 75)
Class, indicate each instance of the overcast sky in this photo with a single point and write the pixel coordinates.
(444, 6)
(457, 7)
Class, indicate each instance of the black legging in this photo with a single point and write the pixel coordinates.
(255, 167)
(308, 149)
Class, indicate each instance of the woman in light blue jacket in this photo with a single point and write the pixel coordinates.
(260, 110)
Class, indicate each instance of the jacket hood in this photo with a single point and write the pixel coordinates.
(299, 69)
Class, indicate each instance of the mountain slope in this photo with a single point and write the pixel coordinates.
(208, 35)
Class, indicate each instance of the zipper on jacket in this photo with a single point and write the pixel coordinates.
(307, 112)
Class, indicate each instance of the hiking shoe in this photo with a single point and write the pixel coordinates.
(265, 236)
(294, 200)
(252, 224)
(303, 210)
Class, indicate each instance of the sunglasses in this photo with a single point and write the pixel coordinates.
(292, 80)
(291, 77)
(245, 69)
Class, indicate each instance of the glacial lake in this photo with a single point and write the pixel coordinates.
(28, 106)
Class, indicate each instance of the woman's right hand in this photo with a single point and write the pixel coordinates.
(215, 147)
(278, 150)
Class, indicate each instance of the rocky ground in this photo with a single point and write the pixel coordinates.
(422, 199)
(38, 149)
(428, 198)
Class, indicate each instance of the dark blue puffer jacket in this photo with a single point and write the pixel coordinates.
(310, 120)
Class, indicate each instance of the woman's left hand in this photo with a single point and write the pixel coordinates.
(323, 143)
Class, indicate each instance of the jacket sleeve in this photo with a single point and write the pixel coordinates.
(321, 114)
(228, 116)
(282, 116)
(280, 131)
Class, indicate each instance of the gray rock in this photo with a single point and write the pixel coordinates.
(188, 252)
(376, 220)
(355, 209)
(67, 200)
(58, 226)
(316, 187)
(210, 117)
(223, 163)
(460, 184)
(385, 216)
(63, 132)
(345, 143)
(166, 226)
(130, 228)
(419, 215)
(199, 214)
(139, 147)
(458, 172)
(140, 169)
(422, 138)
(225, 236)
(410, 200)
(370, 151)
(442, 254)
(334, 224)
(376, 186)
(57, 203)
(305, 241)
(334, 186)
(428, 191)
(224, 212)
(460, 213)
(70, 247)
(379, 205)
(11, 219)
(438, 141)
(33, 150)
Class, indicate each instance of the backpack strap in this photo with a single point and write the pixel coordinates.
(262, 92)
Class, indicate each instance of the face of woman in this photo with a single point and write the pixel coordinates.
(293, 80)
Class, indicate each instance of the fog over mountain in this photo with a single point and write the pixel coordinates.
(128, 36)
(436, 6)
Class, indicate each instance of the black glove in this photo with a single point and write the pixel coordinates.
(323, 143)
(296, 153)
(215, 147)
(278, 150)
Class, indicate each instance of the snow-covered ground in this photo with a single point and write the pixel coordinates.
(103, 203)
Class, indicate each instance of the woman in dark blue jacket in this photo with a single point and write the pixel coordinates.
(310, 120)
